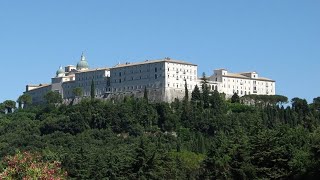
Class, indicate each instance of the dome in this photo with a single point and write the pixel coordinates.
(60, 72)
(83, 64)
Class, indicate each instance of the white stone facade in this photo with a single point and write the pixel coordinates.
(245, 83)
(164, 80)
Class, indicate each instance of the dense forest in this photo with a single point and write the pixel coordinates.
(203, 136)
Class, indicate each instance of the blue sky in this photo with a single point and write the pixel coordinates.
(278, 39)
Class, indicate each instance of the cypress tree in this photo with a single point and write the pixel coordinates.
(145, 93)
(205, 91)
(186, 92)
(92, 93)
(196, 95)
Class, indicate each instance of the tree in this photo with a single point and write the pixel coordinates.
(142, 165)
(24, 100)
(235, 98)
(205, 90)
(77, 92)
(93, 90)
(217, 103)
(300, 105)
(186, 92)
(9, 105)
(316, 103)
(196, 95)
(145, 93)
(53, 97)
(2, 108)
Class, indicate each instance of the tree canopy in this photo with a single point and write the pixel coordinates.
(257, 138)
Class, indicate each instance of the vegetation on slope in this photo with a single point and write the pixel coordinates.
(208, 138)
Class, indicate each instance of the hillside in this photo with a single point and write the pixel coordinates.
(207, 137)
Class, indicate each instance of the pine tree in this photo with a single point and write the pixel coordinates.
(196, 95)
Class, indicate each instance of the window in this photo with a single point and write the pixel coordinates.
(155, 76)
(155, 69)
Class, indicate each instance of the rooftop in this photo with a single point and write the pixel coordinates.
(239, 75)
(90, 70)
(153, 61)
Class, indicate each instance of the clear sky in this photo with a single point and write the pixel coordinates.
(278, 39)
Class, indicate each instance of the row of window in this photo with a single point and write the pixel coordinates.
(86, 93)
(89, 83)
(179, 85)
(245, 92)
(245, 81)
(182, 77)
(134, 70)
(241, 92)
(120, 80)
(138, 87)
(89, 77)
(185, 71)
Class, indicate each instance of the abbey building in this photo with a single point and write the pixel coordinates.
(164, 80)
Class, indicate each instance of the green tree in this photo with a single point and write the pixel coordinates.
(142, 166)
(9, 105)
(205, 90)
(93, 90)
(196, 95)
(77, 92)
(316, 103)
(186, 91)
(217, 103)
(235, 98)
(24, 100)
(53, 97)
(2, 108)
(145, 93)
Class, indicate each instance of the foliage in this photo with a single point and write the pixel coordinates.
(196, 95)
(208, 138)
(9, 105)
(53, 97)
(31, 166)
(77, 92)
(93, 90)
(235, 98)
(24, 100)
